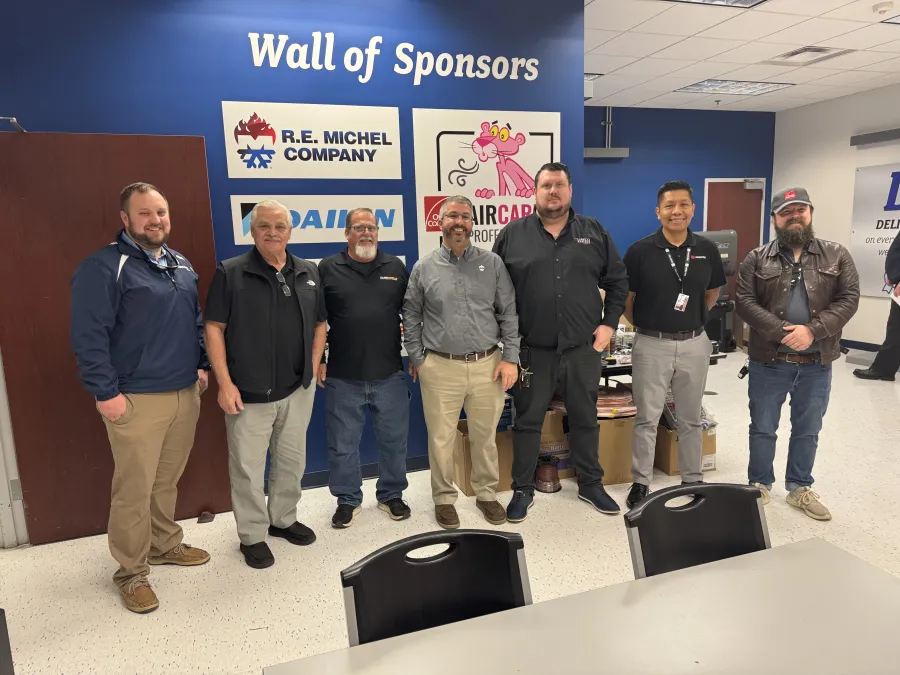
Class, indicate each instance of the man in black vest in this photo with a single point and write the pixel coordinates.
(886, 363)
(265, 331)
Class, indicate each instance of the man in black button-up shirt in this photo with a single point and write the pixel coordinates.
(558, 261)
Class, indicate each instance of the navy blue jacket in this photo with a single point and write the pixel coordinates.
(136, 328)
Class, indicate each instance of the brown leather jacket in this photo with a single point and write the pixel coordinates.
(763, 290)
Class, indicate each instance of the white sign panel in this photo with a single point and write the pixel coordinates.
(489, 156)
(319, 219)
(876, 221)
(299, 140)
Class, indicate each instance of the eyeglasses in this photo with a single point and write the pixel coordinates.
(284, 287)
(359, 229)
(465, 217)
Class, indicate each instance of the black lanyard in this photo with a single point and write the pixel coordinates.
(687, 266)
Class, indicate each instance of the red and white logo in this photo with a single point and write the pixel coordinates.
(790, 194)
(433, 212)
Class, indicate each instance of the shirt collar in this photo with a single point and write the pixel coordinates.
(660, 239)
(288, 260)
(446, 253)
(164, 253)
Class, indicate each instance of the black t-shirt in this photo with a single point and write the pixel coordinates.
(364, 302)
(656, 285)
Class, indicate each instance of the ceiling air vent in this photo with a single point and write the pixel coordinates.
(805, 56)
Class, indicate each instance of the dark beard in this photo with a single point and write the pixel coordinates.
(449, 233)
(792, 237)
(143, 240)
(552, 214)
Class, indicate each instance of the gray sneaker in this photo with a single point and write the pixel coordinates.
(764, 490)
(808, 501)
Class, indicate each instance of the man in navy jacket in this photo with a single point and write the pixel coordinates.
(137, 334)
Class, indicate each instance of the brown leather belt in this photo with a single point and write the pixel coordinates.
(472, 356)
(791, 357)
(683, 335)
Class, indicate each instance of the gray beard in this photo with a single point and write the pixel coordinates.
(791, 237)
(365, 251)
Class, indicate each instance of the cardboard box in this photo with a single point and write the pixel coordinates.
(614, 449)
(554, 443)
(462, 460)
(667, 451)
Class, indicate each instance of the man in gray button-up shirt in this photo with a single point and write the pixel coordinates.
(459, 304)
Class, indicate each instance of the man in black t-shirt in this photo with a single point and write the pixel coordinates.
(364, 289)
(674, 278)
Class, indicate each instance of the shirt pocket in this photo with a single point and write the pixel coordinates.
(827, 281)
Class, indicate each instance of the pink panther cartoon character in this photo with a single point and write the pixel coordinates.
(497, 141)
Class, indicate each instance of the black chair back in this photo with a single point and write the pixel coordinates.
(389, 593)
(720, 521)
(6, 662)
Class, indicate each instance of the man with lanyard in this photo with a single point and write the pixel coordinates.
(558, 261)
(674, 278)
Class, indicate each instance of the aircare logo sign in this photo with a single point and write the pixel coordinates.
(319, 219)
(299, 140)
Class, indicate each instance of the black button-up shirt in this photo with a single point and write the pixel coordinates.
(656, 285)
(364, 302)
(558, 281)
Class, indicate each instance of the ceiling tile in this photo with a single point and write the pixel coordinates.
(697, 49)
(638, 45)
(702, 70)
(848, 78)
(619, 15)
(687, 19)
(751, 26)
(810, 91)
(870, 36)
(713, 102)
(803, 75)
(595, 38)
(596, 63)
(890, 66)
(893, 47)
(649, 69)
(758, 73)
(861, 10)
(625, 98)
(671, 100)
(885, 80)
(853, 60)
(813, 31)
(754, 52)
(652, 88)
(611, 84)
(803, 7)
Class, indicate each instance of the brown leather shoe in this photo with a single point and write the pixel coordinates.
(493, 512)
(183, 554)
(446, 516)
(138, 596)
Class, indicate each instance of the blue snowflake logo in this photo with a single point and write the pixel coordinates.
(256, 158)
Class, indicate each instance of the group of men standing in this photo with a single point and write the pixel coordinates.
(527, 316)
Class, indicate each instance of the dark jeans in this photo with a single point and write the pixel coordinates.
(575, 374)
(345, 417)
(888, 359)
(809, 385)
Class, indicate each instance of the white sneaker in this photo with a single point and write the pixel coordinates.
(808, 501)
(764, 490)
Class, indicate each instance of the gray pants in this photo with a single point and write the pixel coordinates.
(656, 365)
(280, 426)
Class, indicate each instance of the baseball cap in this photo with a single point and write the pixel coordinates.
(790, 196)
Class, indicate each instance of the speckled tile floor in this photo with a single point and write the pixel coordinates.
(65, 616)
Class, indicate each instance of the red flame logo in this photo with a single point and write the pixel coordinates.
(255, 127)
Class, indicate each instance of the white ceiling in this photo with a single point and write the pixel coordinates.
(646, 49)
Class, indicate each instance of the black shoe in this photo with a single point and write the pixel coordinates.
(258, 556)
(636, 495)
(298, 534)
(869, 374)
(517, 511)
(596, 496)
(344, 516)
(396, 508)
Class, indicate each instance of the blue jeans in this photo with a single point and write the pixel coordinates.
(345, 417)
(809, 385)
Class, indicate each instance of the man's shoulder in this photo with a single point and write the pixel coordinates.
(237, 261)
(485, 255)
(304, 265)
(832, 246)
(427, 260)
(642, 244)
(705, 244)
(392, 260)
(106, 258)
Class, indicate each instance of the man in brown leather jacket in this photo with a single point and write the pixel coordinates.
(796, 293)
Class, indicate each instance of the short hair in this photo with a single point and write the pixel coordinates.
(554, 167)
(456, 199)
(348, 221)
(269, 204)
(142, 188)
(673, 186)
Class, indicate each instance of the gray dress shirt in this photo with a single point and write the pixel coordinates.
(460, 305)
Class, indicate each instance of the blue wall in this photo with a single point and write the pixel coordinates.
(164, 68)
(690, 145)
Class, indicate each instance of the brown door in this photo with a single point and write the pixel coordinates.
(59, 204)
(731, 206)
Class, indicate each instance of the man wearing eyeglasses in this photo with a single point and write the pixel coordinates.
(459, 305)
(796, 293)
(887, 361)
(265, 331)
(364, 290)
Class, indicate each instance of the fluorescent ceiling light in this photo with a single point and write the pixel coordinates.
(742, 4)
(895, 20)
(591, 76)
(734, 87)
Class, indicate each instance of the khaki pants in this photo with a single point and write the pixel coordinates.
(448, 386)
(150, 444)
(280, 426)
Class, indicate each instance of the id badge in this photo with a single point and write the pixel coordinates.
(681, 302)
